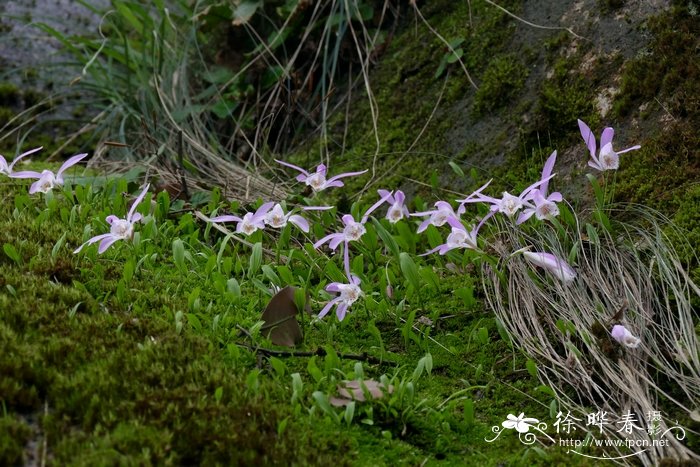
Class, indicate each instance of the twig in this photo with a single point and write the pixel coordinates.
(180, 157)
(561, 28)
(363, 357)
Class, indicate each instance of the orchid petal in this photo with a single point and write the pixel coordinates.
(333, 244)
(26, 174)
(111, 218)
(423, 226)
(633, 148)
(333, 287)
(340, 311)
(334, 183)
(68, 164)
(106, 243)
(454, 222)
(595, 164)
(524, 216)
(92, 240)
(295, 167)
(227, 218)
(558, 267)
(262, 210)
(555, 197)
(300, 222)
(374, 207)
(31, 151)
(139, 198)
(346, 174)
(547, 171)
(383, 193)
(328, 307)
(317, 208)
(588, 137)
(607, 136)
(430, 252)
(327, 238)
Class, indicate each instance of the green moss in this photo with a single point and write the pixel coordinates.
(6, 115)
(10, 95)
(15, 435)
(503, 79)
(668, 70)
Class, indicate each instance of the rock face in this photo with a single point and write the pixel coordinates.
(33, 70)
(535, 75)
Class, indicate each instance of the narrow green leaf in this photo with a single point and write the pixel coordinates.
(255, 260)
(11, 252)
(457, 169)
(409, 270)
(531, 367)
(386, 237)
(179, 254)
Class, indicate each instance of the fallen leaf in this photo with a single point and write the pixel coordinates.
(244, 11)
(352, 391)
(281, 324)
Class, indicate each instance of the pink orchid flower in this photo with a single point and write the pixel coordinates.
(120, 229)
(347, 295)
(353, 230)
(250, 222)
(475, 197)
(509, 204)
(317, 180)
(622, 335)
(439, 216)
(47, 180)
(460, 237)
(545, 207)
(397, 210)
(275, 217)
(608, 159)
(7, 169)
(552, 264)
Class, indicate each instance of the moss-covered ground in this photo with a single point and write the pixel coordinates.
(144, 355)
(140, 356)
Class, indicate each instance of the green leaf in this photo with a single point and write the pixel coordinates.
(179, 254)
(409, 270)
(244, 11)
(592, 234)
(255, 259)
(349, 412)
(233, 287)
(457, 169)
(278, 365)
(469, 412)
(323, 403)
(57, 247)
(599, 195)
(531, 367)
(456, 55)
(297, 386)
(128, 15)
(386, 237)
(12, 253)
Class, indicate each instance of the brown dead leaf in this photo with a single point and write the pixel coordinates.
(281, 324)
(352, 391)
